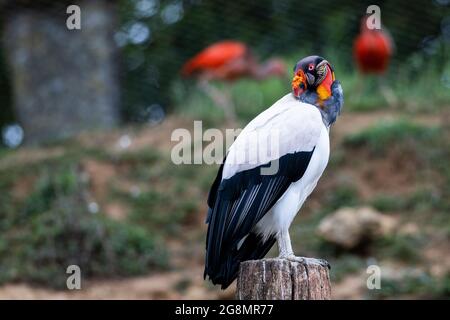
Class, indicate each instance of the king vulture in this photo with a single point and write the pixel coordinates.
(269, 171)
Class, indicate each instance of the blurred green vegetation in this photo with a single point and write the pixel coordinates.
(53, 227)
(161, 210)
(427, 148)
(381, 137)
(404, 248)
(422, 286)
(55, 221)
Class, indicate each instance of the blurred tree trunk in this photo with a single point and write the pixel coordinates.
(64, 81)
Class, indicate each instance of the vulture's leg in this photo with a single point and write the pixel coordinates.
(284, 244)
(286, 252)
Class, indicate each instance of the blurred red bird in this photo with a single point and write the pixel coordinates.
(231, 60)
(372, 49)
(227, 61)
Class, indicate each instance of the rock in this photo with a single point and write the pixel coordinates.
(350, 227)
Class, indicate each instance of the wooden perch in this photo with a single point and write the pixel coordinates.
(280, 279)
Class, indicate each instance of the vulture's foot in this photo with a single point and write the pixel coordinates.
(306, 260)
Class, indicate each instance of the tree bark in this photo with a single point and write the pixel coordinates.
(280, 279)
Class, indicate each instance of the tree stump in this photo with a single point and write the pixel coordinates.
(280, 279)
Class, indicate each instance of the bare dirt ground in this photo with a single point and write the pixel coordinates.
(184, 280)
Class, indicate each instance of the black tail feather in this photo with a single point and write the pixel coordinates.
(226, 271)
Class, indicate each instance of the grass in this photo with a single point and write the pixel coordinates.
(404, 248)
(426, 147)
(158, 212)
(388, 203)
(421, 285)
(173, 199)
(52, 228)
(345, 265)
(343, 196)
(146, 157)
(379, 138)
(421, 200)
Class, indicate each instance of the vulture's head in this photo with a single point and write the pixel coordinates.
(314, 82)
(313, 74)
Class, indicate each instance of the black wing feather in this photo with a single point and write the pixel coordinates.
(236, 205)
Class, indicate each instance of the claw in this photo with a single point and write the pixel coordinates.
(305, 260)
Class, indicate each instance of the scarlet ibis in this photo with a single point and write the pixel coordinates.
(256, 195)
(226, 61)
(231, 60)
(372, 49)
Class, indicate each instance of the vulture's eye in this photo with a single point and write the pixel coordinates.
(311, 67)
